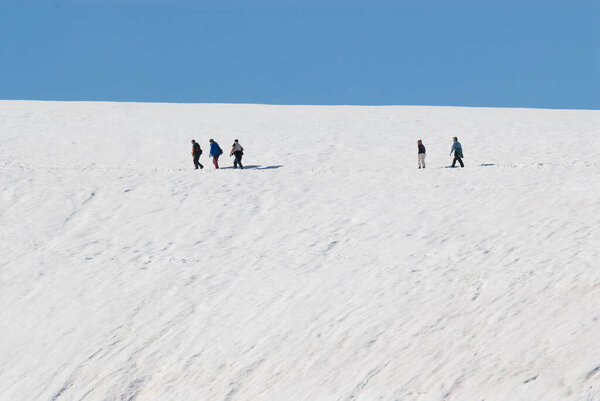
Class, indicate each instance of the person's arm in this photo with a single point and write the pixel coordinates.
(452, 149)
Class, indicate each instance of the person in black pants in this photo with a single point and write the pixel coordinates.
(238, 152)
(196, 152)
(458, 153)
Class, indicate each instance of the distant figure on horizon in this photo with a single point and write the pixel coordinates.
(215, 152)
(458, 154)
(421, 155)
(196, 152)
(238, 151)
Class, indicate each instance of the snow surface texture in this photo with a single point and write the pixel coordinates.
(330, 269)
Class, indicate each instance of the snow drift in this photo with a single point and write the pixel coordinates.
(329, 269)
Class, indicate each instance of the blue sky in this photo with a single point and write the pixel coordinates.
(473, 53)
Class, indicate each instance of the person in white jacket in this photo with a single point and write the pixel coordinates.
(238, 151)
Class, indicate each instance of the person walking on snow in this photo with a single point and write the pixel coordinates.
(215, 152)
(238, 151)
(421, 155)
(196, 152)
(458, 154)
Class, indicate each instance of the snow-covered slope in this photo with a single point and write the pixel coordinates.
(331, 269)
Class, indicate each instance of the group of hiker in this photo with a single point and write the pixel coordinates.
(238, 151)
(215, 151)
(456, 149)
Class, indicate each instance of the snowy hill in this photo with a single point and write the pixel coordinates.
(330, 269)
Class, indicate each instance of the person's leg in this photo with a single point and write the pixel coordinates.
(423, 160)
(240, 162)
(460, 162)
(216, 161)
(197, 162)
(454, 161)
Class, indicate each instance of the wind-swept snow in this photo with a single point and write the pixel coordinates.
(330, 269)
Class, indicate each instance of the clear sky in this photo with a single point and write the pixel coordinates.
(509, 53)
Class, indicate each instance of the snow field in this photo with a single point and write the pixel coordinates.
(330, 269)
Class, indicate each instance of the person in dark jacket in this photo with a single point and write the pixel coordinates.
(215, 152)
(421, 154)
(238, 151)
(196, 152)
(458, 153)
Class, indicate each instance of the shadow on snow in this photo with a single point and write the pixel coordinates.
(255, 167)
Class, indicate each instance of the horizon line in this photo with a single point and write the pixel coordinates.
(241, 103)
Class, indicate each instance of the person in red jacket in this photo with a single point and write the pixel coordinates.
(421, 155)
